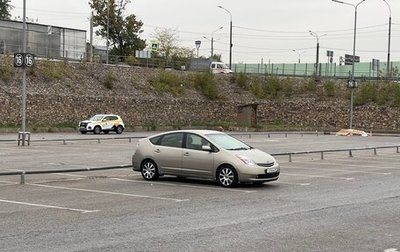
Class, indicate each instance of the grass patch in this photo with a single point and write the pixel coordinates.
(206, 83)
(109, 80)
(7, 70)
(54, 70)
(168, 82)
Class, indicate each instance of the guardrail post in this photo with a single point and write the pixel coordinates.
(22, 178)
(350, 153)
(130, 139)
(286, 135)
(397, 149)
(64, 142)
(290, 157)
(98, 140)
(269, 136)
(322, 155)
(375, 151)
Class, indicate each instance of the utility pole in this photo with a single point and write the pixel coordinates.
(91, 39)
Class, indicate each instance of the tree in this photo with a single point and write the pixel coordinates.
(168, 46)
(5, 9)
(122, 31)
(169, 49)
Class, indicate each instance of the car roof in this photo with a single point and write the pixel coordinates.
(199, 132)
(105, 115)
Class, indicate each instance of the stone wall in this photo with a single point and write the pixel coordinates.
(81, 93)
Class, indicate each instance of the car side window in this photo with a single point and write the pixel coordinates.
(172, 140)
(196, 142)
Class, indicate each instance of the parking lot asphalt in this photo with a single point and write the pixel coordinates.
(338, 203)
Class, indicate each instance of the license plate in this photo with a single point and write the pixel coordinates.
(272, 170)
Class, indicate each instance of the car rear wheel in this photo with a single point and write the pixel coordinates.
(119, 129)
(96, 130)
(227, 177)
(149, 170)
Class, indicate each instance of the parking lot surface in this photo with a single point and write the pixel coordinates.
(335, 203)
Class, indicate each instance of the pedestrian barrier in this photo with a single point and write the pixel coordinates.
(289, 154)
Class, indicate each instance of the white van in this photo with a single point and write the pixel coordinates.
(219, 68)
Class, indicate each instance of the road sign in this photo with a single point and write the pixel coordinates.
(24, 60)
(18, 59)
(352, 84)
(154, 47)
(349, 59)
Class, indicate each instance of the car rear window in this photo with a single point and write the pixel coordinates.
(155, 140)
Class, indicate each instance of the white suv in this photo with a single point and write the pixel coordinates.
(105, 123)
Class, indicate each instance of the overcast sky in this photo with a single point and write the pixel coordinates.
(267, 30)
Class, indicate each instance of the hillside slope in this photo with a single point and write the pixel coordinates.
(62, 94)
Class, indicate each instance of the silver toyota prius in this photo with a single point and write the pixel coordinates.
(203, 154)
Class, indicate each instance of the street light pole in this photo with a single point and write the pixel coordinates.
(24, 75)
(299, 54)
(108, 28)
(212, 40)
(352, 81)
(230, 36)
(389, 70)
(317, 53)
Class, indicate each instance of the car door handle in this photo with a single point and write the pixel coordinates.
(157, 151)
(186, 154)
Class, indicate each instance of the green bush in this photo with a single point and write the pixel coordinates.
(54, 70)
(241, 80)
(109, 80)
(131, 60)
(273, 87)
(287, 88)
(168, 81)
(206, 83)
(7, 71)
(257, 89)
(366, 93)
(330, 88)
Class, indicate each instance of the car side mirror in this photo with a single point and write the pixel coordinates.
(206, 148)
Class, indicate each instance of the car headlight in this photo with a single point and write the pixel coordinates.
(246, 160)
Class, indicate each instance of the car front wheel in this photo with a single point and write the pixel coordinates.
(149, 170)
(227, 176)
(119, 129)
(96, 130)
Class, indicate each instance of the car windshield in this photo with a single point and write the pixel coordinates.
(227, 142)
(96, 118)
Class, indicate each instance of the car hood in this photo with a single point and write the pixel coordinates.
(88, 121)
(256, 155)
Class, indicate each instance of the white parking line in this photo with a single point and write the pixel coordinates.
(337, 170)
(317, 176)
(49, 206)
(291, 183)
(107, 192)
(8, 182)
(189, 186)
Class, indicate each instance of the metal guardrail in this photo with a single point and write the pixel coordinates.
(349, 150)
(289, 154)
(65, 140)
(23, 173)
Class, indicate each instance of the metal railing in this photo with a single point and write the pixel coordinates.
(23, 173)
(65, 140)
(289, 154)
(347, 150)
